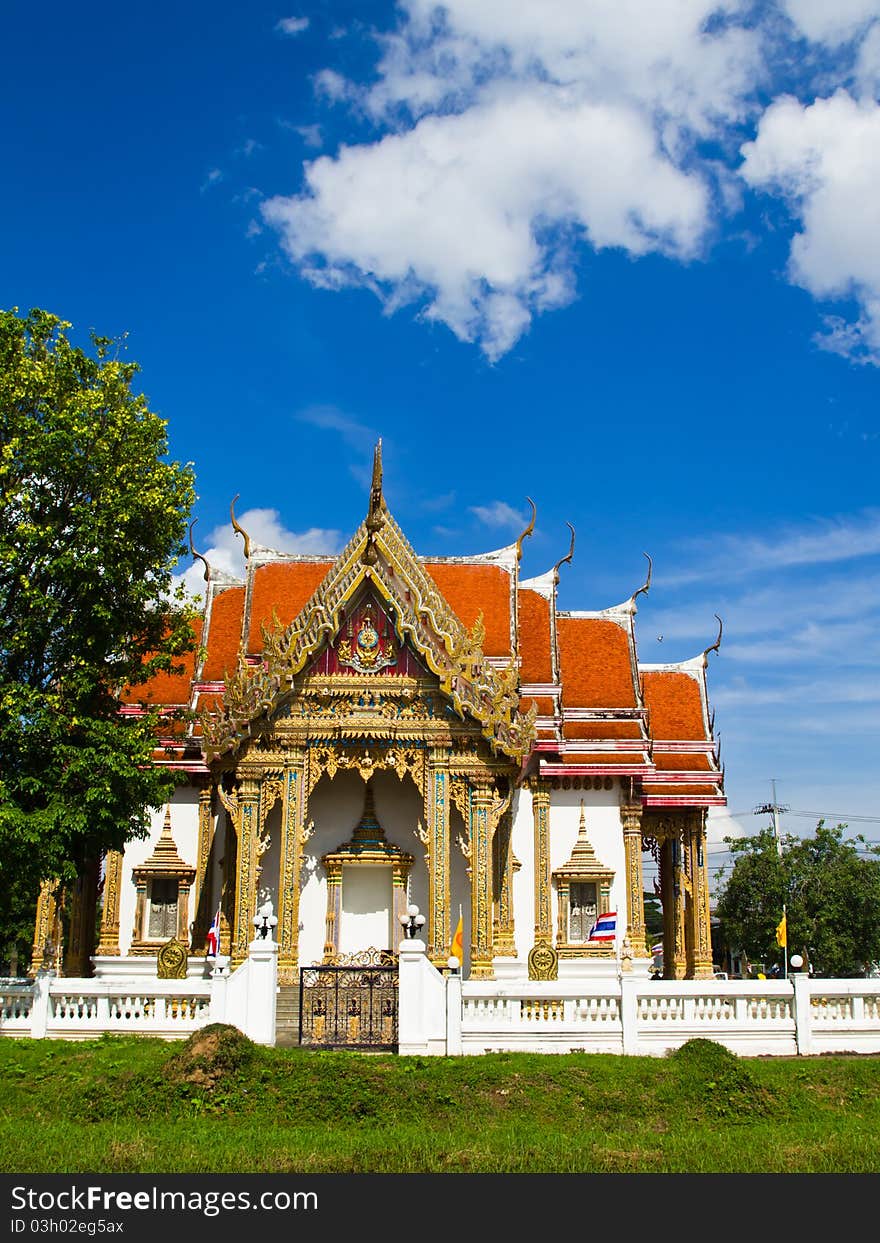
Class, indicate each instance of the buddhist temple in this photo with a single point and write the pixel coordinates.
(361, 733)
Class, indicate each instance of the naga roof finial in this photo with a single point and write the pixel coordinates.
(567, 557)
(529, 529)
(198, 554)
(715, 646)
(241, 531)
(647, 583)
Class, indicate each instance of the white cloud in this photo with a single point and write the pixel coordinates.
(473, 213)
(831, 22)
(499, 514)
(292, 25)
(516, 135)
(225, 549)
(824, 158)
(822, 541)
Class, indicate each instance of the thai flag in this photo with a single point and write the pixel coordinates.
(214, 936)
(605, 927)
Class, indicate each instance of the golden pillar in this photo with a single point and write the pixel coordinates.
(246, 870)
(81, 929)
(334, 908)
(700, 964)
(631, 817)
(227, 883)
(108, 942)
(46, 954)
(202, 913)
(437, 816)
(293, 819)
(481, 790)
(672, 884)
(505, 946)
(541, 816)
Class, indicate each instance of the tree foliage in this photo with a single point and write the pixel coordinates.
(830, 892)
(92, 519)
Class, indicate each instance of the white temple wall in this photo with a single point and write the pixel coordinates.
(184, 830)
(336, 807)
(459, 886)
(522, 842)
(270, 863)
(605, 834)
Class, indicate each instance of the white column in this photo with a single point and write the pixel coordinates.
(219, 980)
(262, 990)
(629, 1013)
(453, 1014)
(803, 1029)
(40, 1008)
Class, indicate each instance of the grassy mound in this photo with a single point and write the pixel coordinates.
(711, 1080)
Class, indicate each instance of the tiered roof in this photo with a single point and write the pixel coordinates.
(599, 712)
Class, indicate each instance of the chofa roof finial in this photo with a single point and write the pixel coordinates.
(715, 646)
(646, 586)
(529, 529)
(239, 529)
(198, 555)
(567, 557)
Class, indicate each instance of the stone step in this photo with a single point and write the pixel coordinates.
(287, 1015)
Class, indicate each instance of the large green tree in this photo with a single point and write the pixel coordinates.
(92, 520)
(830, 887)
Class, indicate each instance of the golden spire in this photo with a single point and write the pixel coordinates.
(375, 517)
(239, 529)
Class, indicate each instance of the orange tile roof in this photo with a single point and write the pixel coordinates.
(603, 757)
(674, 704)
(224, 634)
(534, 638)
(654, 788)
(168, 688)
(544, 704)
(688, 762)
(595, 663)
(602, 729)
(285, 588)
(471, 589)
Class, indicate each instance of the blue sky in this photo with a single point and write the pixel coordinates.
(621, 258)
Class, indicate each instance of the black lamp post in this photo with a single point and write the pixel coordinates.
(264, 920)
(412, 922)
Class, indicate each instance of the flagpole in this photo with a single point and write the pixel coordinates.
(785, 947)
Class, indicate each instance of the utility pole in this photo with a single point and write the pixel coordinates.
(773, 809)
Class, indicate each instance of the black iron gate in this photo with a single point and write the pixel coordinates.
(350, 1003)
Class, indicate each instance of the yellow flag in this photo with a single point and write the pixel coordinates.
(457, 947)
(782, 932)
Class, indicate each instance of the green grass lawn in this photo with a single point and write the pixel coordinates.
(221, 1104)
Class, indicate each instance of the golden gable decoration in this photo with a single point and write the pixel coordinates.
(378, 554)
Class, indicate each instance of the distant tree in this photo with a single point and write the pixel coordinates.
(653, 915)
(92, 519)
(831, 893)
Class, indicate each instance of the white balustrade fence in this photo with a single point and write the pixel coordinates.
(445, 1015)
(799, 1015)
(75, 1009)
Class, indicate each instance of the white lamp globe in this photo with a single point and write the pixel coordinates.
(796, 962)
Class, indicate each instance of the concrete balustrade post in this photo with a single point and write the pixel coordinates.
(803, 1026)
(453, 1015)
(629, 1013)
(40, 1008)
